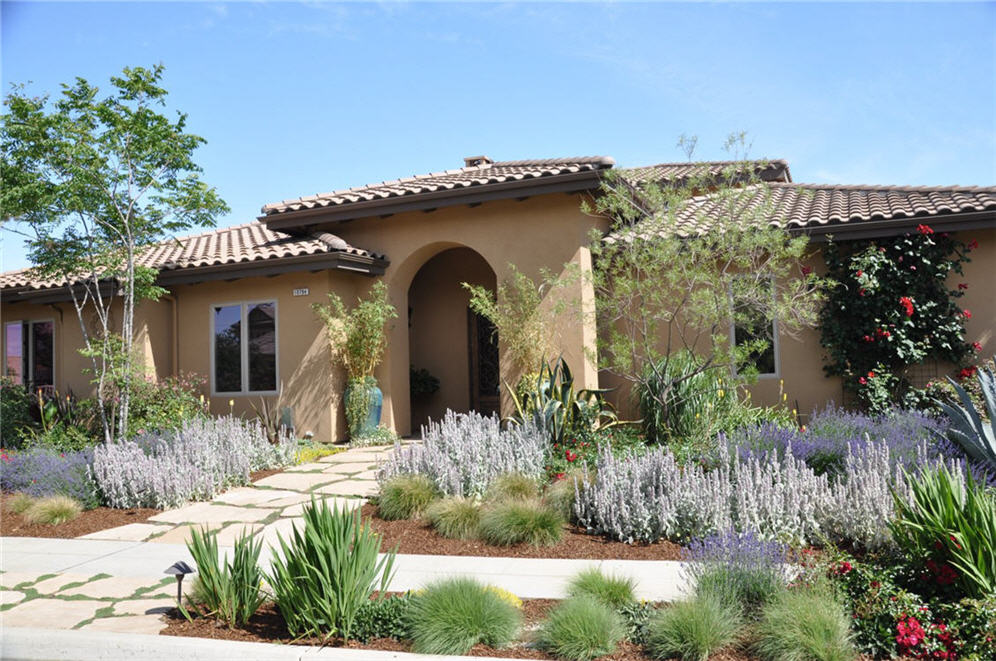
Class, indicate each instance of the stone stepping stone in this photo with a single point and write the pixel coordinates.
(56, 583)
(114, 587)
(232, 532)
(363, 488)
(131, 532)
(251, 496)
(348, 503)
(10, 597)
(11, 579)
(313, 467)
(51, 613)
(144, 624)
(296, 481)
(366, 475)
(208, 513)
(283, 527)
(145, 606)
(350, 468)
(181, 534)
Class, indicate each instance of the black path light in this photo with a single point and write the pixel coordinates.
(179, 569)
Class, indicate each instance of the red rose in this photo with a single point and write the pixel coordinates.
(806, 270)
(871, 375)
(976, 346)
(924, 229)
(973, 244)
(860, 273)
(967, 314)
(907, 304)
(963, 286)
(862, 380)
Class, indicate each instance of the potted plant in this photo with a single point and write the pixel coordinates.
(358, 337)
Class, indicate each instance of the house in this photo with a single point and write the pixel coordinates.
(239, 311)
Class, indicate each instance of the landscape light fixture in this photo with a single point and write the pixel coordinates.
(179, 569)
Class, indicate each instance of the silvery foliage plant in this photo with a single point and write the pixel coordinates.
(195, 462)
(464, 452)
(650, 497)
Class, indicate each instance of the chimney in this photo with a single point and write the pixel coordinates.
(477, 161)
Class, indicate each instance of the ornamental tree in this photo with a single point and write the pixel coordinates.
(92, 181)
(892, 308)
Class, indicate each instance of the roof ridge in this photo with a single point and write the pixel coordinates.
(773, 161)
(882, 187)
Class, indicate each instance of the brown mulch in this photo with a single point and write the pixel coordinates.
(101, 518)
(415, 537)
(259, 475)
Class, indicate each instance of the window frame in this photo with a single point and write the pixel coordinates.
(244, 348)
(27, 361)
(775, 344)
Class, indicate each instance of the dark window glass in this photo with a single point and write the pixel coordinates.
(262, 361)
(758, 329)
(42, 353)
(228, 348)
(14, 351)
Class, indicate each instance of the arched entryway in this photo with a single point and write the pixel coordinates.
(448, 341)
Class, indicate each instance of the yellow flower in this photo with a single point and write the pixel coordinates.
(231, 403)
(720, 392)
(785, 396)
(505, 596)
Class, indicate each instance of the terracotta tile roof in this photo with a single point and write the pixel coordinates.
(774, 170)
(466, 177)
(251, 242)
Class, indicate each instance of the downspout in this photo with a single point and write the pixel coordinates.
(174, 345)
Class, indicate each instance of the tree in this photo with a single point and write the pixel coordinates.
(682, 265)
(93, 182)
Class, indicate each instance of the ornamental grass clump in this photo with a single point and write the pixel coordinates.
(691, 630)
(327, 571)
(807, 624)
(581, 628)
(455, 517)
(52, 511)
(464, 453)
(613, 591)
(405, 497)
(452, 615)
(512, 486)
(562, 494)
(521, 522)
(229, 589)
(18, 503)
(739, 569)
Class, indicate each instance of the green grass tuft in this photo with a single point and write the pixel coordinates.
(453, 615)
(804, 625)
(19, 503)
(521, 521)
(512, 486)
(613, 591)
(581, 628)
(53, 510)
(691, 630)
(455, 517)
(406, 496)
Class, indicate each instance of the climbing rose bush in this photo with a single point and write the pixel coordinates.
(891, 308)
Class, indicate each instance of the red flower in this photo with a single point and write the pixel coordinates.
(868, 338)
(570, 456)
(907, 304)
(806, 270)
(967, 314)
(967, 372)
(976, 346)
(871, 375)
(862, 380)
(962, 285)
(973, 244)
(924, 229)
(860, 273)
(559, 476)
(861, 292)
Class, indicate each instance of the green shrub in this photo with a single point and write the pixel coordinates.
(613, 591)
(512, 486)
(805, 625)
(63, 438)
(19, 503)
(560, 495)
(406, 496)
(311, 452)
(637, 617)
(455, 517)
(523, 521)
(950, 521)
(581, 628)
(453, 615)
(327, 571)
(52, 510)
(15, 413)
(230, 589)
(383, 618)
(691, 630)
(379, 435)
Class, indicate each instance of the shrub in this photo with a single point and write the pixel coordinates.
(327, 571)
(383, 618)
(742, 571)
(613, 591)
(581, 628)
(379, 435)
(15, 413)
(311, 452)
(464, 453)
(41, 472)
(637, 617)
(231, 589)
(521, 522)
(405, 496)
(805, 625)
(52, 510)
(455, 517)
(453, 615)
(512, 486)
(164, 404)
(202, 457)
(691, 630)
(62, 438)
(19, 502)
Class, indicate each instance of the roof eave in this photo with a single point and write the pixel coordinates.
(871, 229)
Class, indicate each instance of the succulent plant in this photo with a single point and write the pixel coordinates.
(968, 429)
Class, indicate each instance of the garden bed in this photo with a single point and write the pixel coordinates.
(414, 536)
(94, 520)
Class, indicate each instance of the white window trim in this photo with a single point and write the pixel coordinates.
(28, 378)
(244, 348)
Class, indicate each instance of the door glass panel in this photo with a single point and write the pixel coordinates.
(262, 347)
(42, 353)
(14, 351)
(228, 348)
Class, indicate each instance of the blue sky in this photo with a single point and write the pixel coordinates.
(302, 98)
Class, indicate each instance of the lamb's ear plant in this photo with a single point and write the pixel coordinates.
(229, 589)
(327, 571)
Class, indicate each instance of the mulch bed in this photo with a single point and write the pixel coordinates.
(267, 626)
(101, 518)
(415, 537)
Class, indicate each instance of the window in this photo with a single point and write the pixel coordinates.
(765, 360)
(244, 348)
(29, 352)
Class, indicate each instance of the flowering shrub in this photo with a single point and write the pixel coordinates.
(41, 472)
(891, 309)
(582, 450)
(739, 568)
(164, 404)
(192, 463)
(464, 452)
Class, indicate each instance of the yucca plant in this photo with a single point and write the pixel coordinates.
(954, 517)
(327, 571)
(553, 404)
(967, 427)
(229, 590)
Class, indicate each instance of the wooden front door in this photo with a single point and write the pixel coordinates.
(485, 382)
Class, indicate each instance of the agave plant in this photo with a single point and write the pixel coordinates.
(553, 404)
(968, 429)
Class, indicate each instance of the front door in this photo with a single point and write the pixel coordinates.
(485, 382)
